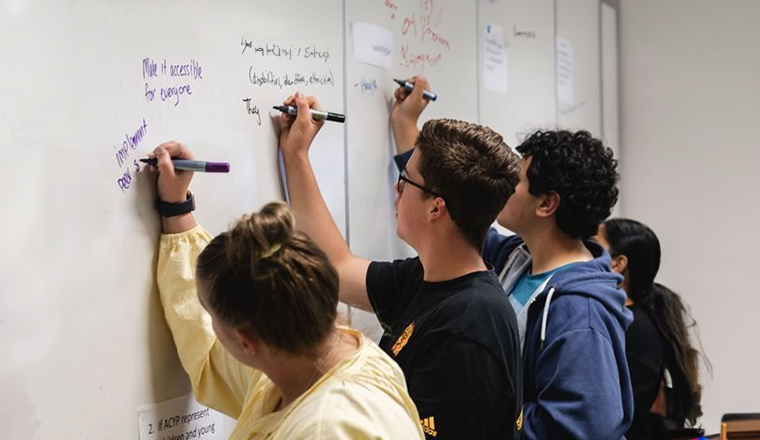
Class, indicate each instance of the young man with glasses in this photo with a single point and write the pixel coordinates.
(447, 322)
(571, 314)
(403, 179)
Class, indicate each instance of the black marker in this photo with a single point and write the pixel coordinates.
(194, 165)
(410, 86)
(315, 114)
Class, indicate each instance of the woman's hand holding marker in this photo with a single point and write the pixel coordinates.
(172, 184)
(173, 187)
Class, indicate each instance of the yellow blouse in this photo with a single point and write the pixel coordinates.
(362, 397)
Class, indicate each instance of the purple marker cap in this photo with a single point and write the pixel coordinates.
(217, 167)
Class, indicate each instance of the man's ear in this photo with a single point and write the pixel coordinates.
(548, 205)
(438, 208)
(619, 264)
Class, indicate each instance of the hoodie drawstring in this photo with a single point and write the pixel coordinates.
(508, 265)
(546, 316)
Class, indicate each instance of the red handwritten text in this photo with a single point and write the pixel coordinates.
(418, 61)
(425, 22)
(429, 19)
(407, 23)
(391, 5)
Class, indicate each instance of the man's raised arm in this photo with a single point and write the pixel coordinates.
(407, 108)
(312, 215)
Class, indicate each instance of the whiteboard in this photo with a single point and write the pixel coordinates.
(530, 100)
(82, 334)
(578, 28)
(434, 38)
(610, 84)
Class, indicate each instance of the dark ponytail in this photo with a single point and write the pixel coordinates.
(641, 247)
(681, 358)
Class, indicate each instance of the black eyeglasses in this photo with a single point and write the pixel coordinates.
(403, 180)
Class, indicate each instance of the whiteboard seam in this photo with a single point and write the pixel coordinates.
(345, 143)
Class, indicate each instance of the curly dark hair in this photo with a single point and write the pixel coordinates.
(580, 169)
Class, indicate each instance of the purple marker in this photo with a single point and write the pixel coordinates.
(194, 165)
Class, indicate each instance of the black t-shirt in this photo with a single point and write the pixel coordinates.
(644, 350)
(458, 345)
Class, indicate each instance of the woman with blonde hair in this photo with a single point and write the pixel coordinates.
(253, 313)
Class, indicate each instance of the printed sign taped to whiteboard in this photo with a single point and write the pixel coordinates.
(373, 44)
(565, 71)
(495, 61)
(180, 419)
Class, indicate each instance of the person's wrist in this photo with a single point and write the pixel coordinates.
(174, 209)
(405, 122)
(173, 199)
(178, 224)
(292, 154)
(173, 196)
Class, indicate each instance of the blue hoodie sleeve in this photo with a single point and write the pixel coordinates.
(579, 394)
(498, 247)
(402, 159)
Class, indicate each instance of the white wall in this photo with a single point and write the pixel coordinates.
(690, 92)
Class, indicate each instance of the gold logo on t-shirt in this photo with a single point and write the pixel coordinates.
(403, 339)
(519, 421)
(428, 425)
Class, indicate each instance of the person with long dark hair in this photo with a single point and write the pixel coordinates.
(658, 340)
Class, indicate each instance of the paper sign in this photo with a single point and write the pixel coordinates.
(565, 71)
(180, 419)
(495, 61)
(373, 44)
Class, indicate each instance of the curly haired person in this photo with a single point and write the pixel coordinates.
(571, 315)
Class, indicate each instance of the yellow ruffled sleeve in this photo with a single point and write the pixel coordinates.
(219, 380)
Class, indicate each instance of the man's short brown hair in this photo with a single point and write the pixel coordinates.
(472, 168)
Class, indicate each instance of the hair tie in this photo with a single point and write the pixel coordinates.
(275, 247)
